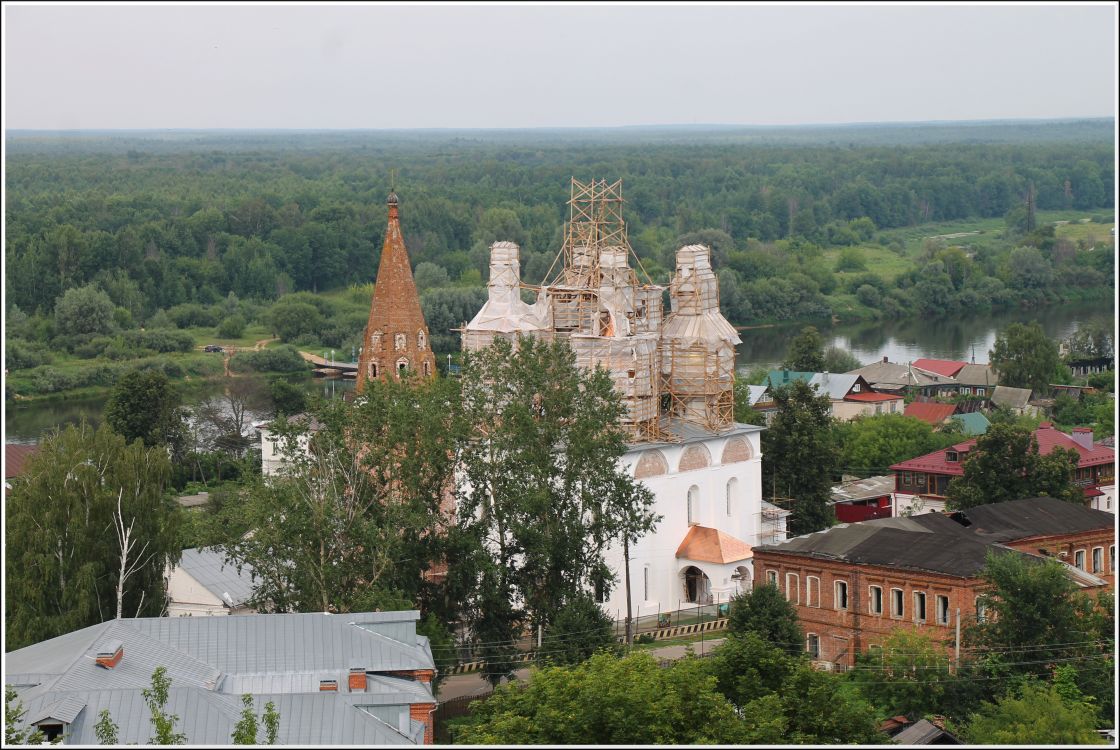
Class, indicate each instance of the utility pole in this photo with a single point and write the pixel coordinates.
(957, 646)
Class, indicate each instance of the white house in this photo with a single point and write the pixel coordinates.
(203, 584)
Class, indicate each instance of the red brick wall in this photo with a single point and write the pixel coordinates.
(1070, 543)
(422, 712)
(844, 632)
(423, 675)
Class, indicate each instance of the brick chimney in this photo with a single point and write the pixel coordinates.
(357, 680)
(1083, 436)
(328, 686)
(109, 654)
(885, 362)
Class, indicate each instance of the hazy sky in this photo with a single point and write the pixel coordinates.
(530, 66)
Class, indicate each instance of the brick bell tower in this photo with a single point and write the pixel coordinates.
(396, 339)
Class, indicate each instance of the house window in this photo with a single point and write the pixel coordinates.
(427, 368)
(812, 591)
(732, 486)
(896, 602)
(841, 595)
(402, 366)
(772, 578)
(421, 340)
(1079, 559)
(966, 390)
(855, 388)
(693, 500)
(981, 610)
(813, 645)
(373, 369)
(1112, 559)
(942, 610)
(878, 408)
(1098, 559)
(920, 479)
(919, 606)
(951, 456)
(907, 478)
(876, 600)
(793, 588)
(979, 391)
(645, 582)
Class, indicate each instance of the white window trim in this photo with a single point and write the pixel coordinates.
(937, 609)
(808, 650)
(1093, 560)
(925, 605)
(981, 610)
(795, 588)
(902, 600)
(693, 509)
(836, 595)
(1081, 565)
(1112, 558)
(808, 591)
(871, 600)
(772, 578)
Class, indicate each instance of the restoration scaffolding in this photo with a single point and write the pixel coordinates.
(679, 367)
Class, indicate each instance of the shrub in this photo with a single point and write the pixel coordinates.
(23, 355)
(868, 295)
(274, 359)
(232, 327)
(163, 341)
(84, 309)
(851, 259)
(291, 320)
(191, 315)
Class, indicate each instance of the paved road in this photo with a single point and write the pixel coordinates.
(460, 685)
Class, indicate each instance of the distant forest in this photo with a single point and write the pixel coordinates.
(160, 221)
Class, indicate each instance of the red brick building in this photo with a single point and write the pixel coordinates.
(396, 339)
(854, 584)
(921, 483)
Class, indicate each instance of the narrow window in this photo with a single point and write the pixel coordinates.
(813, 646)
(1098, 559)
(793, 588)
(772, 578)
(812, 591)
(942, 610)
(645, 582)
(693, 499)
(841, 595)
(427, 368)
(981, 610)
(919, 606)
(907, 478)
(876, 600)
(1079, 559)
(1112, 559)
(896, 602)
(732, 487)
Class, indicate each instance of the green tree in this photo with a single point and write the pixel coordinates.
(1092, 340)
(870, 445)
(748, 666)
(837, 359)
(76, 488)
(245, 731)
(1005, 464)
(1025, 357)
(106, 730)
(806, 351)
(764, 611)
(232, 326)
(608, 700)
(288, 399)
(84, 309)
(271, 723)
(13, 715)
(156, 697)
(144, 405)
(579, 630)
(1038, 716)
(291, 320)
(801, 455)
(821, 712)
(908, 675)
(545, 490)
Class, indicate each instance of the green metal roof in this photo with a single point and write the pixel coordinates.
(974, 423)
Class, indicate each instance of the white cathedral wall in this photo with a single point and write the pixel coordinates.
(658, 549)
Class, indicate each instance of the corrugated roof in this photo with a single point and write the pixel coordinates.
(1036, 516)
(208, 566)
(872, 396)
(704, 544)
(978, 375)
(16, 457)
(1047, 438)
(946, 367)
(924, 732)
(893, 376)
(863, 489)
(930, 412)
(1015, 398)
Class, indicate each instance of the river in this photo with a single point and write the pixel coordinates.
(900, 341)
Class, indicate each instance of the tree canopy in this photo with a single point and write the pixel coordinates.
(1025, 357)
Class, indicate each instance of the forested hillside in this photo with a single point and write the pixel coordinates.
(187, 229)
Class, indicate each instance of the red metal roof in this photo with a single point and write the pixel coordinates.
(946, 367)
(704, 544)
(15, 457)
(1047, 437)
(872, 396)
(930, 412)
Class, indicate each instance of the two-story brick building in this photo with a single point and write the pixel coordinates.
(921, 483)
(854, 584)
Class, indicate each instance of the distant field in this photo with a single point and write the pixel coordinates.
(208, 335)
(1102, 233)
(881, 261)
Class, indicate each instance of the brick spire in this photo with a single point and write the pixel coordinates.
(396, 337)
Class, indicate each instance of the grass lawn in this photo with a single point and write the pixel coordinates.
(208, 335)
(1100, 233)
(881, 261)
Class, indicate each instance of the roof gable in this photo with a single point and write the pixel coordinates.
(930, 412)
(945, 367)
(704, 544)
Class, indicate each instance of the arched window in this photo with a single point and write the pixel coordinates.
(421, 340)
(400, 342)
(373, 369)
(427, 369)
(375, 341)
(693, 505)
(402, 367)
(732, 490)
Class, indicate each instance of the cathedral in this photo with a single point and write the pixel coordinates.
(396, 340)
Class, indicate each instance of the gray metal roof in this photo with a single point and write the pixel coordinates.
(691, 433)
(1036, 516)
(212, 661)
(924, 732)
(1015, 398)
(835, 384)
(978, 375)
(892, 376)
(208, 566)
(863, 489)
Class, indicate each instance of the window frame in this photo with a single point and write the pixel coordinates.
(809, 591)
(921, 613)
(772, 577)
(937, 609)
(901, 598)
(871, 600)
(693, 505)
(1079, 559)
(836, 599)
(810, 640)
(1097, 560)
(795, 588)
